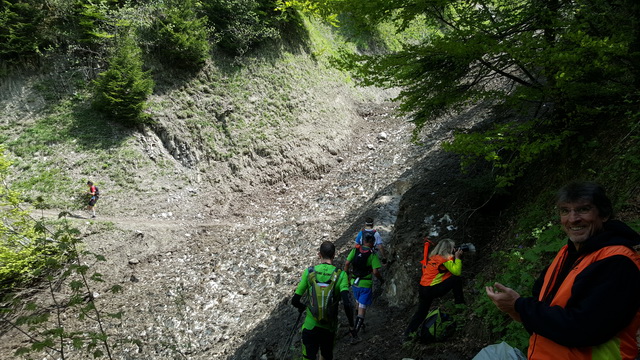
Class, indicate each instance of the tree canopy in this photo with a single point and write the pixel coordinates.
(577, 58)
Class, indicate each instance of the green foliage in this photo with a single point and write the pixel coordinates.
(242, 24)
(519, 267)
(32, 251)
(23, 249)
(510, 148)
(44, 324)
(182, 36)
(576, 58)
(325, 9)
(20, 26)
(37, 30)
(122, 90)
(93, 22)
(623, 168)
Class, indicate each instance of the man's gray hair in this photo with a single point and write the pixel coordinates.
(586, 190)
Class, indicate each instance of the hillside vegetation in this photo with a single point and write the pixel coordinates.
(208, 124)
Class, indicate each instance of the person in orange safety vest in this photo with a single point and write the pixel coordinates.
(440, 274)
(586, 304)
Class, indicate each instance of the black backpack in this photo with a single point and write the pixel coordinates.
(360, 267)
(368, 234)
(97, 191)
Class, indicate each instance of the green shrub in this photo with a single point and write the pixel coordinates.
(122, 90)
(182, 36)
(520, 267)
(241, 24)
(24, 250)
(24, 261)
(93, 24)
(510, 148)
(19, 29)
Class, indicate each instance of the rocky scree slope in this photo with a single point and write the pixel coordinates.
(209, 273)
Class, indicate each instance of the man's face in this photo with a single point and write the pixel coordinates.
(580, 220)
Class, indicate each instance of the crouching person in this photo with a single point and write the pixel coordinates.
(441, 270)
(326, 285)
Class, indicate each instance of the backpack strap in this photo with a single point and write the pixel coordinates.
(334, 275)
(427, 244)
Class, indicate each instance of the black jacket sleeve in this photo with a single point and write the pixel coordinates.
(295, 301)
(604, 300)
(347, 307)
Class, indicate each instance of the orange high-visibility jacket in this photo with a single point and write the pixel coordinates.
(622, 346)
(437, 269)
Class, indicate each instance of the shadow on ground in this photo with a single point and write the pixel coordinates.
(439, 189)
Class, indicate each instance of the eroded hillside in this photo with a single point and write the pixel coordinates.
(209, 250)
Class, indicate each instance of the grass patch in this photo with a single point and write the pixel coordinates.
(68, 123)
(58, 153)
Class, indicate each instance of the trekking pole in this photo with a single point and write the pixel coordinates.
(285, 352)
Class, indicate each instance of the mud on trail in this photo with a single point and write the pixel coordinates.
(210, 279)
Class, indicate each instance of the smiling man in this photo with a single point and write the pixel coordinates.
(585, 304)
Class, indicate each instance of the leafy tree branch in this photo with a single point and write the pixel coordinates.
(32, 252)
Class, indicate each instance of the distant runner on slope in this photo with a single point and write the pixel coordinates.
(95, 195)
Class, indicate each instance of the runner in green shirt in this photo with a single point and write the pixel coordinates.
(318, 335)
(364, 262)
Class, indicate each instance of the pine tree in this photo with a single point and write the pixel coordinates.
(19, 29)
(182, 36)
(122, 90)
